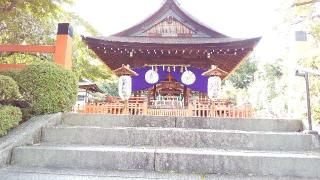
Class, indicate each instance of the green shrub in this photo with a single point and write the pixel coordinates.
(9, 117)
(48, 88)
(26, 114)
(14, 74)
(9, 89)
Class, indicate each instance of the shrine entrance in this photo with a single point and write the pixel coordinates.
(166, 95)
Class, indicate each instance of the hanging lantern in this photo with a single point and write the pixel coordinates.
(125, 87)
(125, 81)
(214, 81)
(151, 76)
(188, 77)
(214, 87)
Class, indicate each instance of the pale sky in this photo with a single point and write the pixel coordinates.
(235, 18)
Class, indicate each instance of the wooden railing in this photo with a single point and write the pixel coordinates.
(221, 111)
(137, 108)
(167, 112)
(193, 110)
(97, 108)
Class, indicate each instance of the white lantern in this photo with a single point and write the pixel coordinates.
(152, 76)
(214, 87)
(188, 77)
(125, 87)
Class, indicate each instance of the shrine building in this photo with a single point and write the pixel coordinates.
(171, 61)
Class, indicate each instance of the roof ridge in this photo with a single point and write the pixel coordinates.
(170, 1)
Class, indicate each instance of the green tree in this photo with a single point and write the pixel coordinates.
(244, 75)
(35, 22)
(272, 74)
(29, 21)
(87, 65)
(109, 87)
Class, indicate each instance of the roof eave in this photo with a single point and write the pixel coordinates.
(98, 40)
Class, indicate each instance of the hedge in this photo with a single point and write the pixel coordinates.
(9, 117)
(14, 74)
(9, 89)
(48, 87)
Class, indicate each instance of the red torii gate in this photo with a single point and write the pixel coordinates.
(62, 49)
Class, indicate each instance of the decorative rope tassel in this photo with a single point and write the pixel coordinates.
(169, 69)
(181, 69)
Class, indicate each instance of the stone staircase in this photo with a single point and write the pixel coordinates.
(259, 147)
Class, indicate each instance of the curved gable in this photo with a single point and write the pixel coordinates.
(171, 10)
(170, 27)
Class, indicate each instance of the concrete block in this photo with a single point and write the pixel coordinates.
(237, 162)
(102, 120)
(34, 173)
(179, 160)
(174, 137)
(23, 173)
(79, 157)
(240, 124)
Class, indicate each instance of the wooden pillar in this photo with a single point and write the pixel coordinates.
(189, 111)
(126, 107)
(154, 92)
(144, 108)
(86, 98)
(63, 47)
(149, 96)
(185, 96)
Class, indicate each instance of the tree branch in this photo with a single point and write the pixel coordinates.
(304, 18)
(305, 3)
(9, 6)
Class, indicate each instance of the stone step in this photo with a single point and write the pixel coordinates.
(102, 120)
(35, 173)
(180, 160)
(177, 137)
